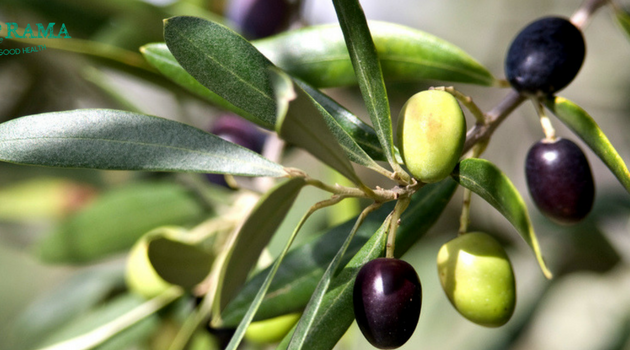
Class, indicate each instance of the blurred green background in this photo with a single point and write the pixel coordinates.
(586, 305)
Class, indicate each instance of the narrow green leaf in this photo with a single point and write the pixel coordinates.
(158, 55)
(103, 315)
(123, 322)
(318, 55)
(623, 20)
(362, 134)
(368, 71)
(301, 123)
(583, 125)
(486, 180)
(116, 220)
(120, 140)
(179, 261)
(225, 63)
(304, 266)
(253, 237)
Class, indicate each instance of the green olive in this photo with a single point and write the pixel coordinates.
(272, 330)
(431, 134)
(140, 276)
(476, 275)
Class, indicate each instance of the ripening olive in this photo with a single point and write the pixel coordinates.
(559, 180)
(545, 56)
(477, 277)
(271, 330)
(140, 276)
(387, 297)
(431, 134)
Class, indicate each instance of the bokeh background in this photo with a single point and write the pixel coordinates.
(587, 304)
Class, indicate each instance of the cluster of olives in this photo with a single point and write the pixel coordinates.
(544, 58)
(474, 269)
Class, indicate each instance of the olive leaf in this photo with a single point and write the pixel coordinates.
(125, 321)
(245, 247)
(318, 55)
(367, 68)
(225, 63)
(486, 180)
(362, 134)
(160, 57)
(583, 125)
(303, 122)
(116, 220)
(119, 140)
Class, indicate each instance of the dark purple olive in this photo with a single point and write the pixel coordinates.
(237, 130)
(545, 56)
(560, 180)
(260, 18)
(387, 297)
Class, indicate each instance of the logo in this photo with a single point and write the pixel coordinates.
(13, 31)
(48, 32)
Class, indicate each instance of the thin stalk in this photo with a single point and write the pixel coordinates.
(545, 122)
(400, 207)
(466, 100)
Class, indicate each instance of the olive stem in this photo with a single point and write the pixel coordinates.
(466, 100)
(378, 194)
(545, 122)
(400, 207)
(493, 119)
(583, 14)
(464, 219)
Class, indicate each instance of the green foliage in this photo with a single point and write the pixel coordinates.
(227, 259)
(122, 216)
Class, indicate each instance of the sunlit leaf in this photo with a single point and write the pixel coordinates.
(301, 123)
(583, 125)
(367, 68)
(160, 57)
(304, 266)
(253, 237)
(225, 63)
(116, 220)
(486, 180)
(120, 140)
(318, 55)
(103, 315)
